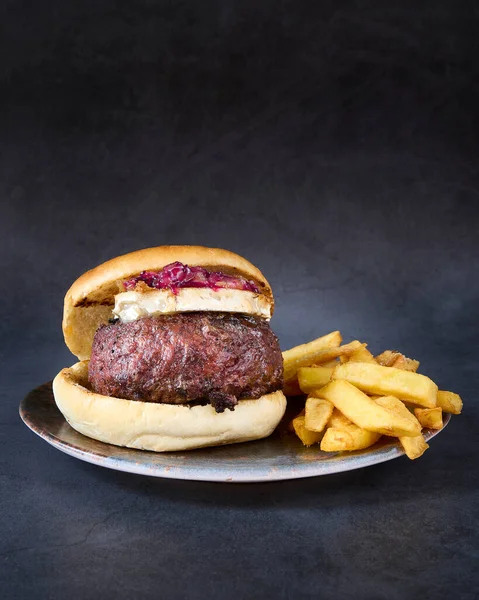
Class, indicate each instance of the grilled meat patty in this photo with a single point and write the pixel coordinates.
(184, 357)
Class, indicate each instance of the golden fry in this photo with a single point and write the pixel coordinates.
(340, 351)
(328, 364)
(354, 397)
(317, 413)
(305, 355)
(365, 412)
(339, 421)
(305, 435)
(362, 354)
(388, 381)
(395, 405)
(387, 358)
(341, 440)
(343, 435)
(313, 378)
(393, 358)
(291, 423)
(414, 447)
(449, 402)
(406, 364)
(431, 418)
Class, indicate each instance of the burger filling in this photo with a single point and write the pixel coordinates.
(133, 305)
(177, 275)
(211, 357)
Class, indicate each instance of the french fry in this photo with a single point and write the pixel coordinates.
(291, 423)
(339, 421)
(406, 364)
(362, 354)
(354, 397)
(317, 413)
(414, 447)
(393, 358)
(313, 378)
(343, 435)
(328, 364)
(305, 355)
(395, 405)
(338, 352)
(365, 412)
(387, 358)
(449, 402)
(336, 440)
(340, 440)
(305, 435)
(431, 418)
(388, 381)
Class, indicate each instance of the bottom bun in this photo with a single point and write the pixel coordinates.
(161, 427)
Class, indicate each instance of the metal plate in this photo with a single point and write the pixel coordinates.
(281, 456)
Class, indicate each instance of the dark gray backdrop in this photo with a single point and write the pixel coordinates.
(334, 145)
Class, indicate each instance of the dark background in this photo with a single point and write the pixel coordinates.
(333, 144)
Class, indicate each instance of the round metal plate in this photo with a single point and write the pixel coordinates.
(281, 456)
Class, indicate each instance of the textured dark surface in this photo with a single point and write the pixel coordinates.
(334, 145)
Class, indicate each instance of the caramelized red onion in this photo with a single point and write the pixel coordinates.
(177, 275)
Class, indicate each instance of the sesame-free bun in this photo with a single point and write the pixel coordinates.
(161, 427)
(89, 301)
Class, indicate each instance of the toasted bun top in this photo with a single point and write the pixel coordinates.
(89, 301)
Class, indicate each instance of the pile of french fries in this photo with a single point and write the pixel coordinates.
(354, 398)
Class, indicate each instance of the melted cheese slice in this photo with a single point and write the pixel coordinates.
(130, 306)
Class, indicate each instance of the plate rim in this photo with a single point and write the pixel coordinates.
(223, 474)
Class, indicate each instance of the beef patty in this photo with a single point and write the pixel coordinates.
(184, 357)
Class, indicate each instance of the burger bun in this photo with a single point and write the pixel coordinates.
(91, 298)
(161, 427)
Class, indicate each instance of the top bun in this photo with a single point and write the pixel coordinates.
(89, 301)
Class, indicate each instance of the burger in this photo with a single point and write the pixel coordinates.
(175, 351)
